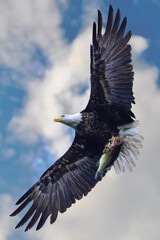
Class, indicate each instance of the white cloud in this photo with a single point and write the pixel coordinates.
(24, 25)
(139, 44)
(55, 95)
(6, 223)
(7, 152)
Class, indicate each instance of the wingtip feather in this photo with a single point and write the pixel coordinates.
(122, 27)
(110, 19)
(99, 23)
(94, 40)
(117, 21)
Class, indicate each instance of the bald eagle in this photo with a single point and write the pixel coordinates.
(105, 133)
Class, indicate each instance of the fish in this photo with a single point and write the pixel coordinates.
(110, 154)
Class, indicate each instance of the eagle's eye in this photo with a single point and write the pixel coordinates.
(63, 116)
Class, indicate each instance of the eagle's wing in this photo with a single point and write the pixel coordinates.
(68, 179)
(111, 71)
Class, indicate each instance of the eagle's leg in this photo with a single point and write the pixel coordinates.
(109, 143)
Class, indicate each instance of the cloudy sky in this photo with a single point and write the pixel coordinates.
(44, 71)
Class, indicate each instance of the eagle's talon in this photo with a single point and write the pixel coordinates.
(111, 139)
(107, 146)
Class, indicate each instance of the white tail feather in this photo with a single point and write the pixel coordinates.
(116, 167)
(132, 142)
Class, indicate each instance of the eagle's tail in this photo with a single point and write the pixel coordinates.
(132, 142)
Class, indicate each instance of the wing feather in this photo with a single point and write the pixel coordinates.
(110, 20)
(111, 69)
(70, 178)
(117, 21)
(99, 23)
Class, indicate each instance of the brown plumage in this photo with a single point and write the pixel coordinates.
(73, 175)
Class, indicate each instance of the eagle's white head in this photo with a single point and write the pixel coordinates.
(70, 120)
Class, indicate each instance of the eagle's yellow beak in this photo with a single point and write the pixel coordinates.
(58, 119)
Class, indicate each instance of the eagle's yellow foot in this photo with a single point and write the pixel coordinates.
(107, 146)
(111, 139)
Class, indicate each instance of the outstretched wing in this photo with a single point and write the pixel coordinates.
(111, 71)
(68, 179)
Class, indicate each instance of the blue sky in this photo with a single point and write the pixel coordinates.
(39, 41)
